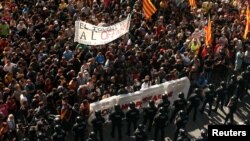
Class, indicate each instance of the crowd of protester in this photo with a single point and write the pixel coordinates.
(43, 72)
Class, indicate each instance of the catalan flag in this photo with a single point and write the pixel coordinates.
(208, 30)
(148, 8)
(192, 3)
(247, 23)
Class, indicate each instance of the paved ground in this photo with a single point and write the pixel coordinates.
(193, 128)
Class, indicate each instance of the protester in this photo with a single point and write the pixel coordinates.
(44, 73)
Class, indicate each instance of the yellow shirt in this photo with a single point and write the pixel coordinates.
(206, 6)
(195, 48)
(63, 5)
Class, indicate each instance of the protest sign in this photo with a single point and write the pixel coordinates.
(89, 34)
(141, 98)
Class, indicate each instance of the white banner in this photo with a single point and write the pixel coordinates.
(141, 98)
(89, 34)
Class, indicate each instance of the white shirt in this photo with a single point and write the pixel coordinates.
(23, 99)
(186, 60)
(145, 85)
(8, 68)
(247, 57)
(85, 10)
(21, 27)
(11, 124)
(238, 45)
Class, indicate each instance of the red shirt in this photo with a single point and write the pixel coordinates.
(11, 104)
(3, 44)
(4, 109)
(159, 28)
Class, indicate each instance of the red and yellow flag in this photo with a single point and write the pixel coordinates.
(208, 30)
(192, 3)
(247, 23)
(148, 8)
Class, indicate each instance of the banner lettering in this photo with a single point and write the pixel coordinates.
(89, 34)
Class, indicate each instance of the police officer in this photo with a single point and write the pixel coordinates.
(116, 119)
(97, 123)
(228, 123)
(79, 129)
(160, 121)
(203, 136)
(182, 135)
(194, 99)
(231, 88)
(244, 75)
(132, 116)
(140, 134)
(179, 104)
(41, 137)
(25, 139)
(181, 122)
(247, 122)
(165, 103)
(57, 121)
(209, 98)
(221, 93)
(92, 137)
(240, 89)
(149, 114)
(232, 105)
(248, 76)
(32, 133)
(59, 134)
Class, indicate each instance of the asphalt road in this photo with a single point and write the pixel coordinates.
(193, 128)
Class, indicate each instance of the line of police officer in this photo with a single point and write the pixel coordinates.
(227, 94)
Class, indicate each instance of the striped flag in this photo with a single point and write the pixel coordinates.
(192, 3)
(208, 30)
(148, 8)
(247, 23)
